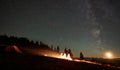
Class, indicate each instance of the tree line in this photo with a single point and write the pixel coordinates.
(21, 42)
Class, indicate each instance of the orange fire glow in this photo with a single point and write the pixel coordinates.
(66, 56)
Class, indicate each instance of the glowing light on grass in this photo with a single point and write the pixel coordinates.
(61, 56)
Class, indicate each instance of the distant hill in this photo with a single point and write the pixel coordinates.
(23, 45)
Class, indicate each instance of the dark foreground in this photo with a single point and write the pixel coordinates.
(32, 62)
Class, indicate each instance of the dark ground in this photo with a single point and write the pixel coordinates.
(32, 62)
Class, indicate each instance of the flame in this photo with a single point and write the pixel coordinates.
(65, 56)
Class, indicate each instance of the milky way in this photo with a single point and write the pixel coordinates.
(88, 26)
(95, 27)
(103, 14)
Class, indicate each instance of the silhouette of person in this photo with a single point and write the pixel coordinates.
(69, 52)
(81, 56)
(66, 52)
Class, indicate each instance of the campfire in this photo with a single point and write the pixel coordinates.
(66, 56)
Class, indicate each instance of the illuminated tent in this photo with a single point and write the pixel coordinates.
(13, 49)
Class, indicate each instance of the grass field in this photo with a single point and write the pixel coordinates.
(10, 61)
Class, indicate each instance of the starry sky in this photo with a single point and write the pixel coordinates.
(88, 26)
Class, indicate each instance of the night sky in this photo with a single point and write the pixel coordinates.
(88, 26)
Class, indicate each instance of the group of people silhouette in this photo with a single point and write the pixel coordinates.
(68, 52)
